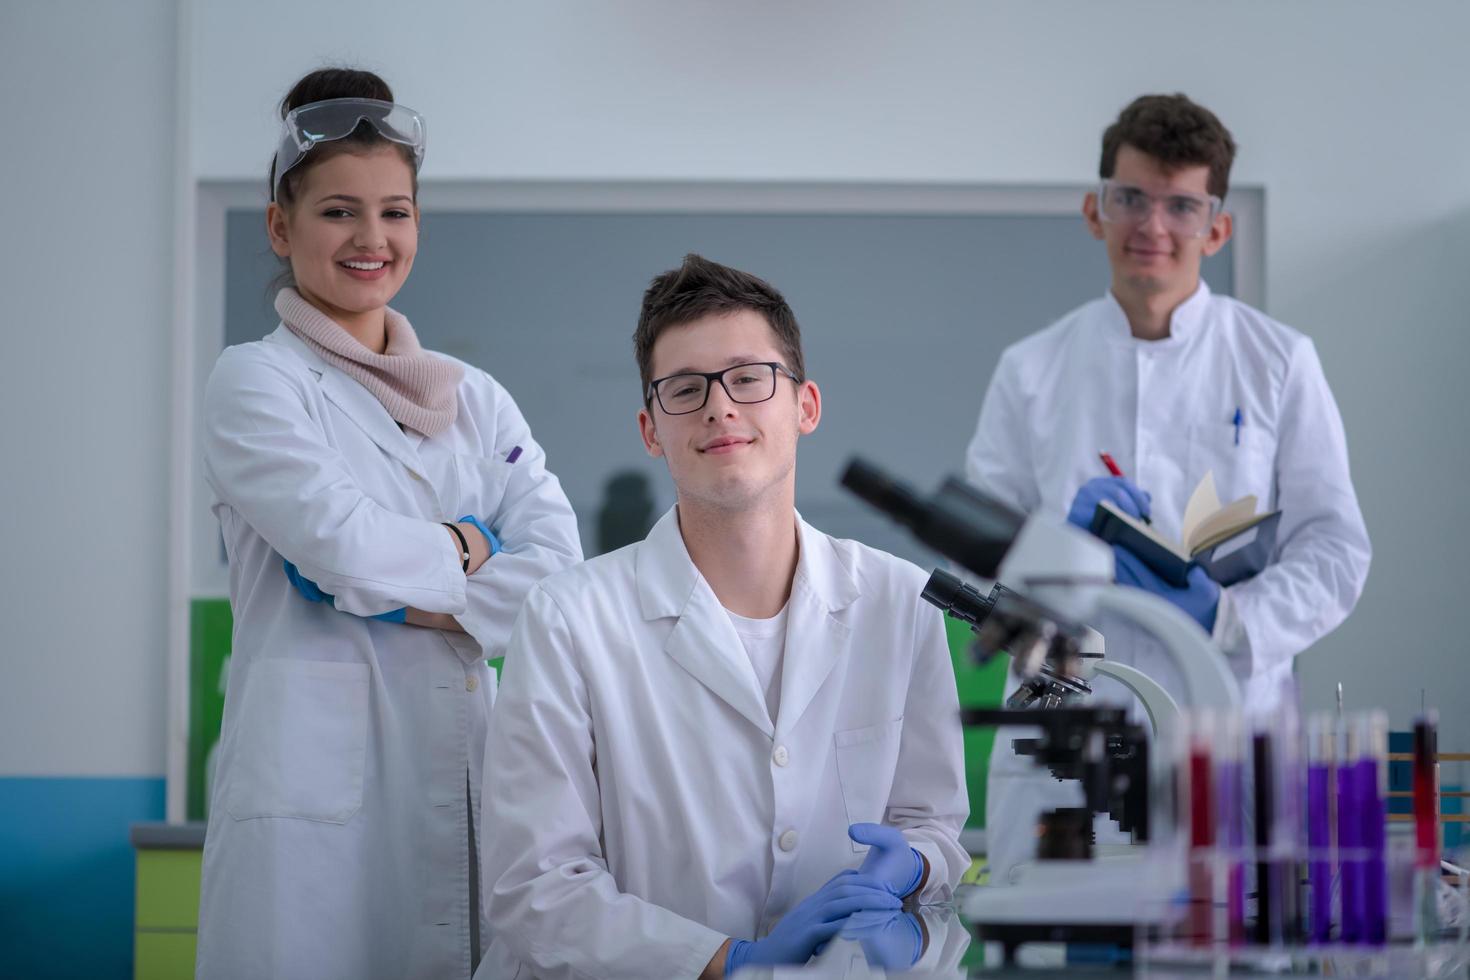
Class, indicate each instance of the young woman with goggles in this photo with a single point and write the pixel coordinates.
(384, 511)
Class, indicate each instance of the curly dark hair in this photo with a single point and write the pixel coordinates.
(1175, 131)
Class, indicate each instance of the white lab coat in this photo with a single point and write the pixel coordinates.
(1165, 411)
(645, 807)
(339, 829)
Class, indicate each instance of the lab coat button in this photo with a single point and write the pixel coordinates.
(788, 841)
(780, 757)
(471, 683)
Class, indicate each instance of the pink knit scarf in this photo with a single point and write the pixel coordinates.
(418, 389)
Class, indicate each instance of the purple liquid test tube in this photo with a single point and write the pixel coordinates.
(1372, 768)
(1319, 828)
(1349, 832)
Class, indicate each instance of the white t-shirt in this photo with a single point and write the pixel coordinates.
(765, 644)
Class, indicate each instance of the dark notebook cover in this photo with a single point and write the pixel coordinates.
(1239, 557)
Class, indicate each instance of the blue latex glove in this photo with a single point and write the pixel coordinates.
(890, 858)
(311, 593)
(1200, 599)
(813, 921)
(890, 940)
(490, 538)
(1116, 489)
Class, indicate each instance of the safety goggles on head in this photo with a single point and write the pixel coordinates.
(335, 119)
(1186, 215)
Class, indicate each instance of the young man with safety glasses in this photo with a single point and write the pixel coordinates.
(715, 746)
(1173, 382)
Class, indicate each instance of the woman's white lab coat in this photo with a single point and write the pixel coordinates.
(352, 751)
(1165, 410)
(645, 807)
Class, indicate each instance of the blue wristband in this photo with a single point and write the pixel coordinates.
(490, 538)
(393, 616)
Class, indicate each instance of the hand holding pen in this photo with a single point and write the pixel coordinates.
(1116, 489)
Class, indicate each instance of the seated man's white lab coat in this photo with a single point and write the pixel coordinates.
(641, 805)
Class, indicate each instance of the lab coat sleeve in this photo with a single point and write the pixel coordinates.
(999, 459)
(537, 531)
(266, 457)
(1322, 550)
(929, 801)
(549, 891)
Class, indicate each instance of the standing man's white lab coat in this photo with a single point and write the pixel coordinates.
(1165, 409)
(339, 825)
(645, 807)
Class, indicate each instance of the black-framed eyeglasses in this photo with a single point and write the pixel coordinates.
(747, 384)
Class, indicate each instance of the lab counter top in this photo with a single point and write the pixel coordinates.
(167, 836)
(939, 936)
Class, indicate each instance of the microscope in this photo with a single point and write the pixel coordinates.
(1057, 578)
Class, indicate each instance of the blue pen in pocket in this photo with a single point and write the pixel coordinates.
(1236, 422)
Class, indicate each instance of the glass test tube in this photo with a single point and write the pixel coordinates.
(1349, 835)
(1321, 765)
(1372, 775)
(1231, 823)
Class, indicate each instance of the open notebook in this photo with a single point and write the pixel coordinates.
(1231, 542)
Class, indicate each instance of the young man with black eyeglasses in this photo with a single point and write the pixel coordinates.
(715, 746)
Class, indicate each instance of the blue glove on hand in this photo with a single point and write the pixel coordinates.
(1118, 490)
(311, 593)
(890, 858)
(1200, 599)
(490, 539)
(890, 940)
(813, 921)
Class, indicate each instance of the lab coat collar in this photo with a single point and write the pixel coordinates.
(1184, 325)
(667, 577)
(704, 641)
(356, 402)
(816, 637)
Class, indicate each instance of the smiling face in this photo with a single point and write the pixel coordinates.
(351, 233)
(729, 456)
(1146, 257)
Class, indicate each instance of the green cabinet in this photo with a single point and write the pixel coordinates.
(166, 906)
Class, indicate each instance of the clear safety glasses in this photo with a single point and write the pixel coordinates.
(335, 119)
(1186, 215)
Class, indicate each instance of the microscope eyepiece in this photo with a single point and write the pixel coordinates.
(957, 599)
(891, 497)
(958, 521)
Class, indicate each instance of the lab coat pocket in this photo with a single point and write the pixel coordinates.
(1246, 467)
(482, 481)
(302, 741)
(866, 758)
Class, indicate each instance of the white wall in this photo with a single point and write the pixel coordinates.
(86, 272)
(1350, 114)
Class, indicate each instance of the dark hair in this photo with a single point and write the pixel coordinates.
(335, 83)
(699, 288)
(1174, 131)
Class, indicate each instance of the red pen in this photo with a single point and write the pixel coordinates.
(1115, 470)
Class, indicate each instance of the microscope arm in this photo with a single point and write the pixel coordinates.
(1163, 712)
(1207, 676)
